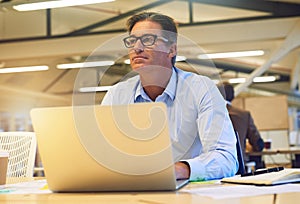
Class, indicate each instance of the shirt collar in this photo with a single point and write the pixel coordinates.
(170, 89)
(228, 102)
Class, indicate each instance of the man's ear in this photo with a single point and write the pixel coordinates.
(173, 50)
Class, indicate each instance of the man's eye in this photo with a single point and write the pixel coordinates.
(131, 41)
(147, 40)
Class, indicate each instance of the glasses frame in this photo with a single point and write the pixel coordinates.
(156, 37)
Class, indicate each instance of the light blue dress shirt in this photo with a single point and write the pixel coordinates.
(201, 131)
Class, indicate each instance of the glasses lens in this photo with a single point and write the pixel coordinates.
(130, 41)
(148, 40)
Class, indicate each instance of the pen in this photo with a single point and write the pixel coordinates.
(263, 171)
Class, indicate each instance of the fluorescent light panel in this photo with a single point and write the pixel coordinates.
(55, 4)
(180, 58)
(256, 79)
(23, 69)
(85, 64)
(264, 79)
(127, 61)
(231, 54)
(94, 89)
(237, 80)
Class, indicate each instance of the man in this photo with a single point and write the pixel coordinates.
(243, 123)
(202, 135)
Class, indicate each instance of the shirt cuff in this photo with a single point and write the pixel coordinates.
(197, 170)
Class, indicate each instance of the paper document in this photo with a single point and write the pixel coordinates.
(31, 187)
(272, 178)
(238, 191)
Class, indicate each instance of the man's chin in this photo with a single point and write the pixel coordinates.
(137, 67)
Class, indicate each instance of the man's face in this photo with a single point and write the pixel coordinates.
(157, 54)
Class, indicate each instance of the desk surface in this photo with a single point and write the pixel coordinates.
(145, 198)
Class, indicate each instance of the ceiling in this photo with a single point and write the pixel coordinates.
(73, 34)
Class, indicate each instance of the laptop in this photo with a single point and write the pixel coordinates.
(106, 148)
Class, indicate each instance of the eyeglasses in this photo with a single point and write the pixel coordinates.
(146, 40)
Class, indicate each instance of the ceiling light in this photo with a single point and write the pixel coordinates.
(94, 89)
(127, 61)
(237, 80)
(231, 54)
(55, 4)
(180, 58)
(85, 64)
(23, 69)
(265, 79)
(256, 79)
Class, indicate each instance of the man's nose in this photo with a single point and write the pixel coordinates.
(138, 46)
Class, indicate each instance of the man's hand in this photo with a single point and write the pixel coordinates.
(182, 170)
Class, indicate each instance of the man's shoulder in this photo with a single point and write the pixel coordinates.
(237, 110)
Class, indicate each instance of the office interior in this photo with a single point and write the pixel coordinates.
(52, 38)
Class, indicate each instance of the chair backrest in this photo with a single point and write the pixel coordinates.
(21, 147)
(239, 155)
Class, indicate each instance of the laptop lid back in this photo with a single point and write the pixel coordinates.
(105, 148)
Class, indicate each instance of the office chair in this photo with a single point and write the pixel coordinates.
(21, 147)
(240, 157)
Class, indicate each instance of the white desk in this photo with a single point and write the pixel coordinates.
(179, 197)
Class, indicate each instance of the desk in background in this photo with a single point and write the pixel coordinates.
(293, 151)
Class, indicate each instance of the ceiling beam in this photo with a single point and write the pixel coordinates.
(34, 94)
(295, 76)
(48, 23)
(87, 29)
(291, 42)
(84, 45)
(277, 8)
(72, 46)
(235, 67)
